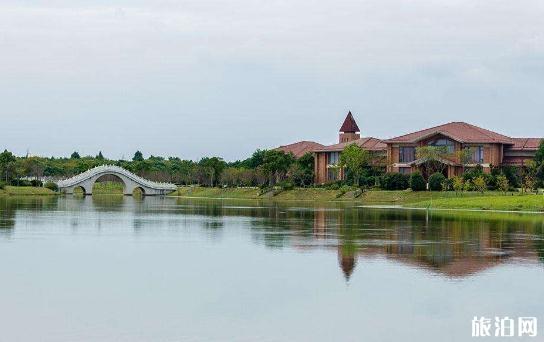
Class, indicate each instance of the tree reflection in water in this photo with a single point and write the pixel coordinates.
(452, 244)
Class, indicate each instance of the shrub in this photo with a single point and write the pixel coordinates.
(435, 181)
(2, 185)
(417, 182)
(286, 185)
(334, 185)
(51, 185)
(447, 184)
(20, 182)
(468, 186)
(480, 184)
(458, 184)
(502, 183)
(343, 190)
(395, 181)
(36, 183)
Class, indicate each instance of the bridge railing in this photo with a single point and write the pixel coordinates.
(114, 169)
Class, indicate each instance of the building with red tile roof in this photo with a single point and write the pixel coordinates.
(300, 148)
(485, 148)
(398, 154)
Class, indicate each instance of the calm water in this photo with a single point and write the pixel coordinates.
(164, 269)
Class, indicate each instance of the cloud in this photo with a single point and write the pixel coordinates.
(226, 63)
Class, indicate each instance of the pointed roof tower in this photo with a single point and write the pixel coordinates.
(349, 125)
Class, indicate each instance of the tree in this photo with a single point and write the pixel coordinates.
(502, 183)
(138, 156)
(214, 167)
(257, 159)
(7, 165)
(302, 170)
(433, 158)
(530, 171)
(354, 159)
(539, 156)
(539, 161)
(417, 182)
(100, 156)
(75, 155)
(464, 156)
(435, 181)
(275, 164)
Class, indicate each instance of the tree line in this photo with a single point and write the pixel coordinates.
(263, 168)
(266, 168)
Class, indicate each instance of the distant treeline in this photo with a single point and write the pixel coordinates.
(264, 167)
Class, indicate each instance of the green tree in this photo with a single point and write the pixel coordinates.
(539, 156)
(302, 170)
(354, 159)
(75, 155)
(433, 158)
(100, 156)
(138, 156)
(275, 164)
(539, 163)
(7, 165)
(214, 167)
(417, 182)
(530, 171)
(464, 156)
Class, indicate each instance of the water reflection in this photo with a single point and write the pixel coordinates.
(450, 244)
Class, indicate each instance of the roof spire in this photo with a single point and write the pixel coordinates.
(349, 125)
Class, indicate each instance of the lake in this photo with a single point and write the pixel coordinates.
(116, 268)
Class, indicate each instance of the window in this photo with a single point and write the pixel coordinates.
(407, 154)
(332, 158)
(405, 170)
(477, 155)
(450, 145)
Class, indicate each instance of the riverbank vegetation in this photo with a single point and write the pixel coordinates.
(276, 174)
(25, 191)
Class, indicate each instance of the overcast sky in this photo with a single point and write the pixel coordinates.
(207, 77)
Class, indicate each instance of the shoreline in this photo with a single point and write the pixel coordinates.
(436, 201)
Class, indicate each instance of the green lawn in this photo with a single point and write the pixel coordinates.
(25, 191)
(108, 188)
(514, 202)
(424, 199)
(216, 192)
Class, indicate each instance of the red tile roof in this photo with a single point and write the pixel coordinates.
(459, 131)
(369, 144)
(525, 144)
(349, 125)
(300, 148)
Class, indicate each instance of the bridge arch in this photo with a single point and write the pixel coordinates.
(131, 181)
(109, 178)
(80, 189)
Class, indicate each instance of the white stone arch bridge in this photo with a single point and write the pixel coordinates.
(86, 180)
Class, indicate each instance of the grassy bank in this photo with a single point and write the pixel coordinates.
(424, 199)
(25, 191)
(490, 202)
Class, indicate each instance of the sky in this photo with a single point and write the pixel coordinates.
(196, 78)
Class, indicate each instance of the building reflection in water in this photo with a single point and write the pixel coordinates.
(452, 244)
